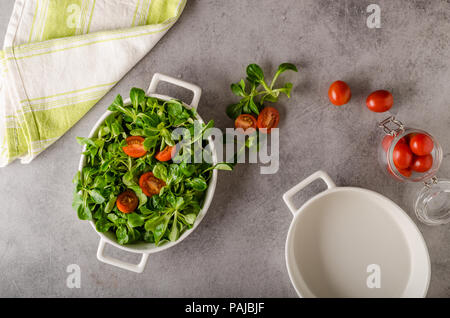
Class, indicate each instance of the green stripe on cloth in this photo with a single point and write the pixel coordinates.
(63, 102)
(69, 92)
(90, 43)
(34, 20)
(64, 17)
(144, 12)
(135, 13)
(28, 47)
(159, 10)
(15, 138)
(53, 123)
(40, 22)
(90, 18)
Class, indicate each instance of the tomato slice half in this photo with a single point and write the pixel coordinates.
(245, 121)
(135, 147)
(268, 118)
(127, 201)
(166, 154)
(150, 184)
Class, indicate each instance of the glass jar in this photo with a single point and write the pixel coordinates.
(432, 205)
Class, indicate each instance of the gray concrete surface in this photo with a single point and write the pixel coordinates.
(238, 250)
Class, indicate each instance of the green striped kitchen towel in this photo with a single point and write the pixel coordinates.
(60, 57)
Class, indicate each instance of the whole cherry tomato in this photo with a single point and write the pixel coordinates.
(405, 172)
(380, 101)
(422, 163)
(339, 93)
(421, 144)
(402, 156)
(387, 141)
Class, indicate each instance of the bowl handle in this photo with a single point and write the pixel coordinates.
(177, 82)
(287, 197)
(137, 268)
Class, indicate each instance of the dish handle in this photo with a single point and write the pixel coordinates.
(287, 197)
(137, 268)
(158, 77)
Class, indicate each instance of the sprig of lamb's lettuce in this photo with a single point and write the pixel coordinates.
(258, 90)
(109, 171)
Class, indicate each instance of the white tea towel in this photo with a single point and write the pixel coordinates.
(60, 57)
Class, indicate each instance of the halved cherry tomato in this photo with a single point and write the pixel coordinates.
(380, 101)
(135, 147)
(150, 184)
(339, 93)
(422, 163)
(166, 154)
(268, 118)
(421, 144)
(402, 156)
(245, 121)
(127, 201)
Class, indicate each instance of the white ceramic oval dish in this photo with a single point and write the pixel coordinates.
(353, 242)
(142, 247)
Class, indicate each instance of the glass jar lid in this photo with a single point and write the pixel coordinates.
(432, 205)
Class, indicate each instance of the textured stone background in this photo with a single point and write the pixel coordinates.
(238, 250)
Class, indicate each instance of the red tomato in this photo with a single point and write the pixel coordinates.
(166, 154)
(127, 201)
(402, 156)
(387, 141)
(150, 184)
(380, 101)
(135, 147)
(339, 93)
(421, 144)
(422, 163)
(407, 138)
(268, 118)
(405, 172)
(245, 121)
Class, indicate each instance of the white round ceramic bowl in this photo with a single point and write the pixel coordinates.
(142, 247)
(353, 242)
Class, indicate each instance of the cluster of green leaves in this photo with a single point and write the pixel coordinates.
(257, 90)
(109, 171)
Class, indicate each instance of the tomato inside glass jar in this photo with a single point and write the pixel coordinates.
(410, 155)
(414, 155)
